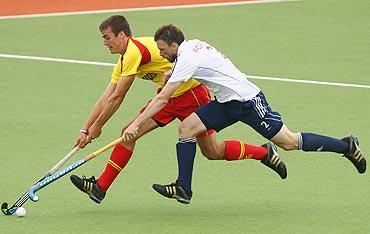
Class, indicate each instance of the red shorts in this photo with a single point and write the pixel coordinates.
(182, 106)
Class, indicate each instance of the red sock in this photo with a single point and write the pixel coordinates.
(117, 161)
(237, 150)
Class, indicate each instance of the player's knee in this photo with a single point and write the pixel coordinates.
(184, 131)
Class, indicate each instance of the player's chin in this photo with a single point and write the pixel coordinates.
(113, 51)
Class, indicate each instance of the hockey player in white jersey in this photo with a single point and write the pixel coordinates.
(236, 99)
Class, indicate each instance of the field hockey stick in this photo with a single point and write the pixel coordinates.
(66, 170)
(23, 199)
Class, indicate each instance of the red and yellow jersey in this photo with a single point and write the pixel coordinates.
(143, 60)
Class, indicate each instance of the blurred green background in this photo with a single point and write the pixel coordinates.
(44, 104)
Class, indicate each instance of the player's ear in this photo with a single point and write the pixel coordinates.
(122, 34)
(174, 46)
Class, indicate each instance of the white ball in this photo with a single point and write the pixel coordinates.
(21, 211)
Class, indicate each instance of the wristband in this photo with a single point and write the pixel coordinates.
(84, 131)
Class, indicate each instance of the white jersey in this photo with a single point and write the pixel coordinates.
(206, 64)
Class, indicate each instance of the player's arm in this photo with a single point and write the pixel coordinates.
(112, 104)
(155, 105)
(94, 113)
(99, 105)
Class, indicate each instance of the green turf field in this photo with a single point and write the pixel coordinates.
(43, 104)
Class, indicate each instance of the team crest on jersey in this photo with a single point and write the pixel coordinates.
(149, 76)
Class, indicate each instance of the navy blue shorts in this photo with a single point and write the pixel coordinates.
(255, 112)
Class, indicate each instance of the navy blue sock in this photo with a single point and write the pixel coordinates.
(314, 142)
(186, 149)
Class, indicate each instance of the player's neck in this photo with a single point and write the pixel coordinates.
(125, 45)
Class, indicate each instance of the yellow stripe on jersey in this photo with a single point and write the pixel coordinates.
(130, 64)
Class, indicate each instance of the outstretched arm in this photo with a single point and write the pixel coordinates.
(111, 106)
(95, 112)
(157, 103)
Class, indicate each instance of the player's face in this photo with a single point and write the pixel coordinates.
(168, 52)
(116, 44)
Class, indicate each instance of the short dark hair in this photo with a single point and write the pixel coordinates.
(117, 23)
(169, 34)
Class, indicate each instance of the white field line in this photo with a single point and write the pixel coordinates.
(144, 9)
(308, 81)
(73, 61)
(54, 60)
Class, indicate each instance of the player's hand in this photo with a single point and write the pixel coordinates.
(94, 132)
(80, 141)
(130, 132)
(166, 76)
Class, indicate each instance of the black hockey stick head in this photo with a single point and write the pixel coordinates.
(6, 210)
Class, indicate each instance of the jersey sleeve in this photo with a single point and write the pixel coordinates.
(184, 68)
(116, 73)
(128, 64)
(131, 61)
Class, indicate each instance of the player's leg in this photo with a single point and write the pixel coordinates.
(348, 146)
(232, 150)
(268, 123)
(229, 150)
(218, 116)
(182, 108)
(288, 140)
(185, 149)
(120, 156)
(209, 116)
(210, 148)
